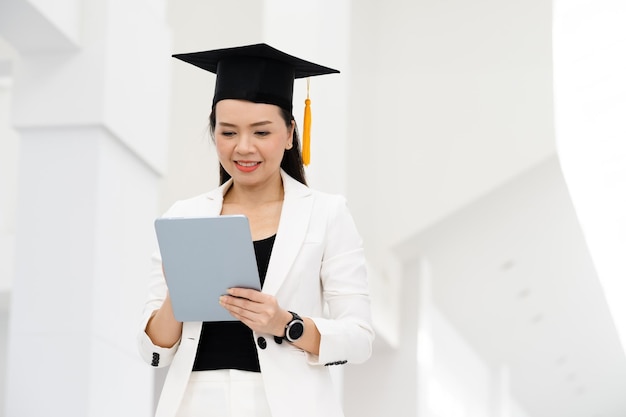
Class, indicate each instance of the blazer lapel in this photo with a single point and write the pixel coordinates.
(215, 199)
(292, 228)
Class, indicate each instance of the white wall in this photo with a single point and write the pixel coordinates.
(448, 100)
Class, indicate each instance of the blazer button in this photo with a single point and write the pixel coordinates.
(261, 342)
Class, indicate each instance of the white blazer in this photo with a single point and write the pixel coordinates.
(317, 260)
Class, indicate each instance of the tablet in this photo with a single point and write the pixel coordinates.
(202, 258)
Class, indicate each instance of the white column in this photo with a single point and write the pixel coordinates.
(90, 108)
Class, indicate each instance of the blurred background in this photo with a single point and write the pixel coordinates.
(480, 145)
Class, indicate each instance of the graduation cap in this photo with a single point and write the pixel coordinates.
(261, 74)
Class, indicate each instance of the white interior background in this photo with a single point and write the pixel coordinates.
(480, 146)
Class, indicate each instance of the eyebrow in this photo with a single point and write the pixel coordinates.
(262, 123)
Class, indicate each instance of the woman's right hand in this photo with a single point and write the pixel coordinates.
(162, 328)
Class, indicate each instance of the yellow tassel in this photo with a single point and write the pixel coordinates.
(306, 131)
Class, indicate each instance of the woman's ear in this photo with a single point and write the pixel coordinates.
(291, 133)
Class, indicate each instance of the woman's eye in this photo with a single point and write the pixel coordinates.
(227, 133)
(262, 133)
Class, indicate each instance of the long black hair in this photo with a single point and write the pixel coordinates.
(292, 159)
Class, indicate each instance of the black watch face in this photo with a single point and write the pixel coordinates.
(295, 330)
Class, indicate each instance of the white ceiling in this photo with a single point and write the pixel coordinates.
(512, 272)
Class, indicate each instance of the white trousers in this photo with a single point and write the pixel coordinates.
(224, 393)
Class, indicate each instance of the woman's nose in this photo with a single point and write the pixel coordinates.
(244, 145)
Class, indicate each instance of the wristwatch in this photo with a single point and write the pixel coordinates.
(295, 328)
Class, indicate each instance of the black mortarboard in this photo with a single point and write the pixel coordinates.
(258, 73)
(261, 74)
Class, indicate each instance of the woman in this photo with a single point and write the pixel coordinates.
(313, 310)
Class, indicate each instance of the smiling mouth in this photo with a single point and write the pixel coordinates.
(247, 164)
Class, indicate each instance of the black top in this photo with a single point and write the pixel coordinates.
(230, 344)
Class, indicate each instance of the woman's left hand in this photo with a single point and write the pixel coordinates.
(257, 310)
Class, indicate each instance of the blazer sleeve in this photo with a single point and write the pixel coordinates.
(346, 333)
(157, 290)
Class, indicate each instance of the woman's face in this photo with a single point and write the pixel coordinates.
(251, 139)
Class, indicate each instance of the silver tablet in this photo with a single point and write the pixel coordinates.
(202, 258)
